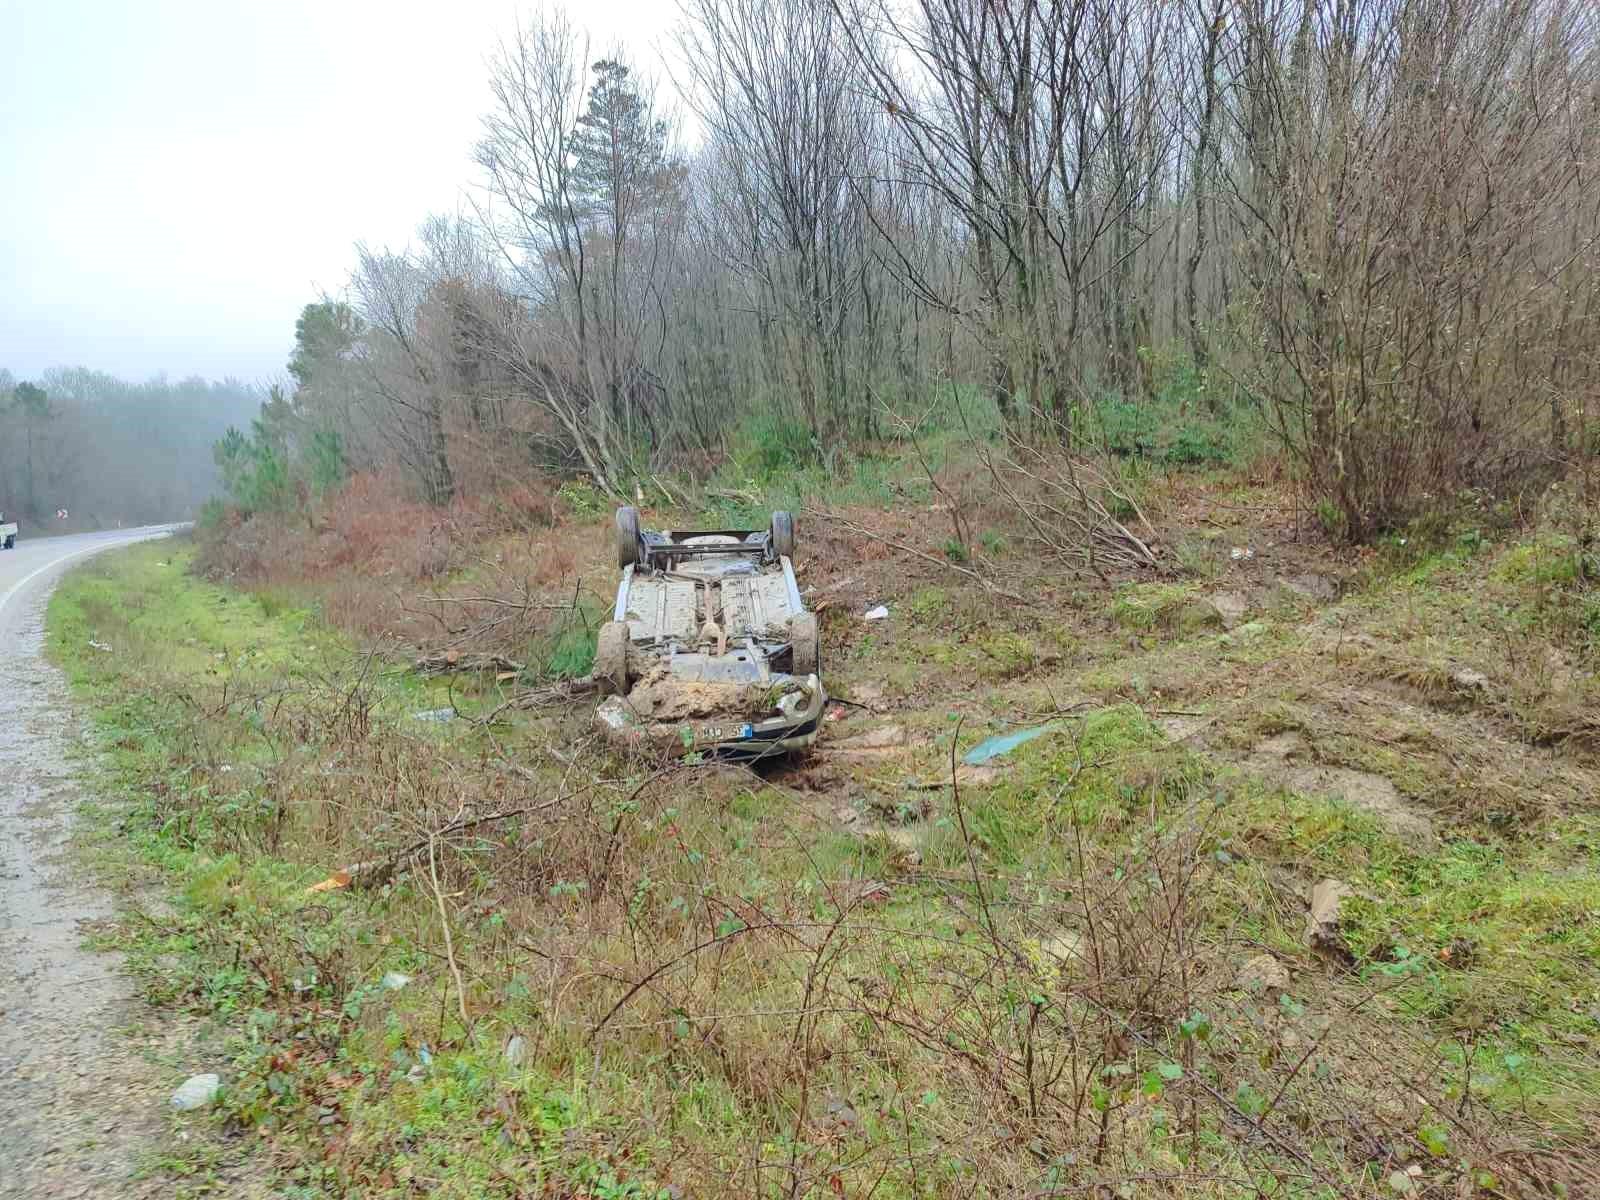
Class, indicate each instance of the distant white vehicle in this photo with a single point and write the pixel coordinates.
(8, 534)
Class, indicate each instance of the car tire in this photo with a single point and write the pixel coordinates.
(628, 539)
(611, 659)
(805, 641)
(783, 534)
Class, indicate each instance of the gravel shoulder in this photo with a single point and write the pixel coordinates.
(82, 1101)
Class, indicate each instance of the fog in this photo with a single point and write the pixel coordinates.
(178, 178)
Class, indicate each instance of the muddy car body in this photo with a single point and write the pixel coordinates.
(709, 648)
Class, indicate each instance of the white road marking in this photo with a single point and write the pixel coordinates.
(56, 562)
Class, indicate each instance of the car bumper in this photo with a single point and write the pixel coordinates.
(730, 738)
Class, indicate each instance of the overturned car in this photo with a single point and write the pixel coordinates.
(710, 649)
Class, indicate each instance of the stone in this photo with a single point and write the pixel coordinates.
(1322, 916)
(1231, 607)
(197, 1091)
(1261, 974)
(1311, 586)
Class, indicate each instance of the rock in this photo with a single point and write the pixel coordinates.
(394, 981)
(1231, 607)
(1248, 632)
(875, 742)
(1063, 947)
(868, 693)
(516, 1051)
(1263, 973)
(1322, 917)
(198, 1091)
(1312, 586)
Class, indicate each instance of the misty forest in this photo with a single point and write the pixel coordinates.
(110, 453)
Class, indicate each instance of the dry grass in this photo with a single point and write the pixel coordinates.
(1052, 980)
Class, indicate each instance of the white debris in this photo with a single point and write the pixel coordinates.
(877, 614)
(94, 645)
(394, 981)
(198, 1091)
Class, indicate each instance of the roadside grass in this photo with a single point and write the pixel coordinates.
(692, 980)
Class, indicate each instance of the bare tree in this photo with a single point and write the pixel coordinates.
(1412, 180)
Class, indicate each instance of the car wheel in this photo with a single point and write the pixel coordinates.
(783, 534)
(611, 659)
(806, 645)
(628, 540)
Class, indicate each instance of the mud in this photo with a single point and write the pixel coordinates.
(659, 697)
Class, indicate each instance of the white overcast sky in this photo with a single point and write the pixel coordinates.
(179, 177)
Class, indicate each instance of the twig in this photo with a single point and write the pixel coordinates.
(449, 942)
(987, 584)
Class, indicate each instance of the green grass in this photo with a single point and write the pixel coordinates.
(1036, 919)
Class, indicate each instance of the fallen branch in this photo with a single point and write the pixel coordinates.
(556, 693)
(455, 660)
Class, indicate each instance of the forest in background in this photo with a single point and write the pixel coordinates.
(1364, 230)
(108, 451)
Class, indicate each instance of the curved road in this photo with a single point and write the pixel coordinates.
(78, 1098)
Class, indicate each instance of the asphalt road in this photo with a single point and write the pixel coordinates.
(36, 563)
(79, 1098)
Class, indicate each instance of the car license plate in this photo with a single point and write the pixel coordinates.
(726, 733)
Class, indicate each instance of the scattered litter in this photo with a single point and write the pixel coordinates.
(394, 981)
(198, 1091)
(1241, 552)
(435, 714)
(225, 769)
(417, 1074)
(836, 713)
(877, 614)
(94, 645)
(516, 1050)
(1004, 743)
(339, 879)
(1470, 680)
